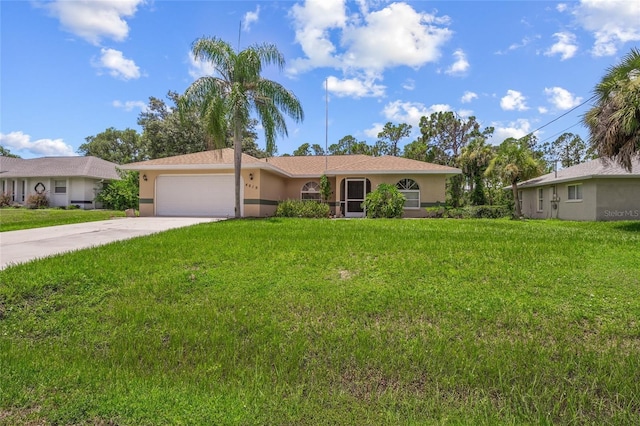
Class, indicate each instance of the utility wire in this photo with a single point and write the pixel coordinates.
(560, 116)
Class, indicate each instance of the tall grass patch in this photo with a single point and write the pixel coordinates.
(290, 321)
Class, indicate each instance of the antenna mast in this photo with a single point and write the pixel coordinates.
(326, 123)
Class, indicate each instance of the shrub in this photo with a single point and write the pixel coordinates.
(300, 208)
(5, 199)
(37, 201)
(470, 212)
(121, 194)
(385, 202)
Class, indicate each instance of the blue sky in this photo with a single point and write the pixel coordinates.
(71, 69)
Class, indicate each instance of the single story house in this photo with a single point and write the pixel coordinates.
(202, 184)
(65, 180)
(595, 190)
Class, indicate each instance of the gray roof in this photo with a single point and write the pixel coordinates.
(599, 168)
(90, 167)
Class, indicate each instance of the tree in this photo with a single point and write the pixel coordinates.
(235, 91)
(390, 136)
(614, 121)
(443, 135)
(349, 145)
(302, 151)
(317, 149)
(569, 149)
(515, 162)
(4, 152)
(117, 146)
(123, 193)
(474, 160)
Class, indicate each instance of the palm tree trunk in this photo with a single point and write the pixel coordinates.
(514, 188)
(237, 162)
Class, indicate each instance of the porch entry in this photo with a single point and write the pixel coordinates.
(353, 192)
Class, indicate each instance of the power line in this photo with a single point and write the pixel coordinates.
(560, 116)
(560, 132)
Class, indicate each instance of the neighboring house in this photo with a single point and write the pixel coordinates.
(202, 184)
(595, 190)
(65, 180)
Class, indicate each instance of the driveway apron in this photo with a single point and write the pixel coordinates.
(29, 244)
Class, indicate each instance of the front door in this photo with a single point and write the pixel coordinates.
(355, 193)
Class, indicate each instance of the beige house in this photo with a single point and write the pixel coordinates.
(64, 180)
(595, 190)
(202, 184)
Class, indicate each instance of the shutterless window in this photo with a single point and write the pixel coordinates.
(60, 186)
(540, 199)
(574, 192)
(310, 191)
(411, 191)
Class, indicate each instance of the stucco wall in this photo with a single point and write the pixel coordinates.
(618, 199)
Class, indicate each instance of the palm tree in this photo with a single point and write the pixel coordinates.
(235, 91)
(614, 122)
(514, 162)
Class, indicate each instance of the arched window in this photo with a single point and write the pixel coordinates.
(411, 191)
(310, 191)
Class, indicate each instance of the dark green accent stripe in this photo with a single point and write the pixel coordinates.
(258, 201)
(146, 200)
(436, 204)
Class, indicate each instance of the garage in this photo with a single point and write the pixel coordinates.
(195, 195)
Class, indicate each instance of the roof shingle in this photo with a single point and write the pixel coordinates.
(91, 167)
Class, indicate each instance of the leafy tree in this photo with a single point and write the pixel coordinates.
(303, 150)
(325, 188)
(121, 194)
(390, 136)
(443, 135)
(117, 146)
(614, 121)
(4, 152)
(317, 149)
(569, 149)
(349, 145)
(235, 91)
(474, 160)
(515, 162)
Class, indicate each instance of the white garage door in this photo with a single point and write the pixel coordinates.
(196, 195)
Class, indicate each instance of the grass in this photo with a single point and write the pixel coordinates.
(12, 219)
(286, 321)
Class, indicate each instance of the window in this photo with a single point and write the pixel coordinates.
(520, 200)
(540, 199)
(310, 191)
(60, 186)
(23, 190)
(574, 192)
(411, 191)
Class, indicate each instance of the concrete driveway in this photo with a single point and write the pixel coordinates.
(23, 246)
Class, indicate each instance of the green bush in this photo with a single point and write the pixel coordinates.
(5, 199)
(470, 212)
(121, 194)
(300, 208)
(385, 202)
(37, 201)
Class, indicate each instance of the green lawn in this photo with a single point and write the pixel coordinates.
(12, 219)
(330, 322)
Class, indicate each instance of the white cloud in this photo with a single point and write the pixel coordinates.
(366, 40)
(543, 110)
(374, 130)
(94, 20)
(411, 112)
(355, 87)
(561, 7)
(250, 18)
(468, 97)
(465, 113)
(199, 68)
(515, 129)
(562, 98)
(565, 46)
(118, 66)
(513, 100)
(515, 46)
(612, 22)
(18, 141)
(460, 66)
(409, 84)
(130, 105)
